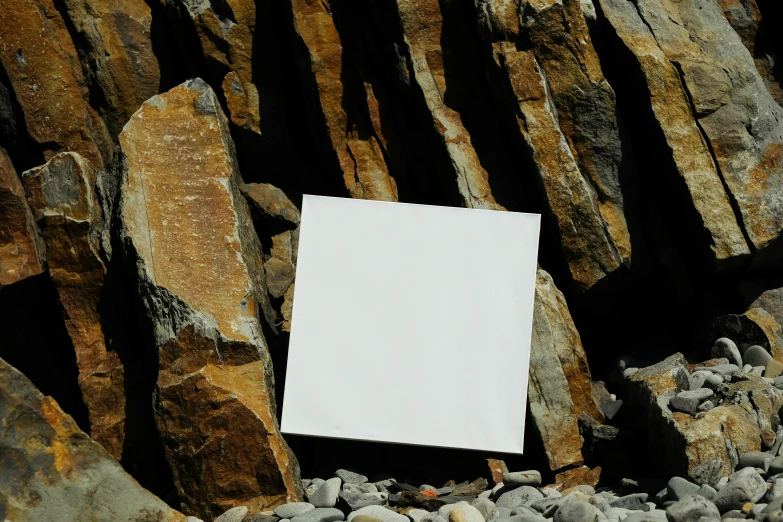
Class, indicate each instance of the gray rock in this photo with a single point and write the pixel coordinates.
(679, 488)
(713, 381)
(486, 507)
(379, 512)
(631, 501)
(519, 496)
(470, 513)
(706, 406)
(708, 472)
(756, 356)
(578, 511)
(688, 401)
(369, 487)
(522, 478)
(526, 517)
(446, 490)
(359, 500)
(349, 477)
(433, 517)
(755, 459)
(417, 515)
(192, 519)
(692, 508)
(744, 486)
(708, 492)
(306, 482)
(775, 492)
(725, 347)
(521, 510)
(698, 378)
(484, 494)
(236, 514)
(326, 495)
(657, 515)
(329, 515)
(293, 509)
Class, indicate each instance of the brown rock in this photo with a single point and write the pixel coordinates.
(44, 71)
(581, 476)
(53, 471)
(64, 199)
(269, 202)
(678, 441)
(115, 46)
(473, 489)
(201, 282)
(22, 252)
(672, 111)
(496, 469)
(746, 138)
(774, 369)
(242, 102)
(359, 154)
(559, 388)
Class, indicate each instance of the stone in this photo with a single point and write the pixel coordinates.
(756, 356)
(320, 515)
(773, 369)
(360, 500)
(349, 477)
(755, 327)
(671, 109)
(472, 489)
(486, 507)
(117, 54)
(270, 203)
(204, 294)
(755, 459)
(22, 251)
(679, 488)
(632, 501)
(692, 508)
(417, 515)
(578, 511)
(326, 494)
(464, 513)
(522, 478)
(688, 401)
(518, 496)
(293, 509)
(559, 386)
(53, 471)
(744, 486)
(582, 475)
(236, 514)
(725, 347)
(47, 82)
(606, 402)
(64, 197)
(378, 512)
(497, 468)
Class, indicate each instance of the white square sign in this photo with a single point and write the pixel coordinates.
(411, 324)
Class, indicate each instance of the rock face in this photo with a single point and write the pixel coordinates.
(53, 471)
(115, 43)
(39, 57)
(201, 283)
(22, 253)
(559, 389)
(64, 197)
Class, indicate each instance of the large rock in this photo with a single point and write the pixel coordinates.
(592, 229)
(359, 154)
(53, 471)
(44, 72)
(201, 285)
(115, 43)
(559, 387)
(671, 109)
(22, 252)
(678, 441)
(738, 116)
(63, 195)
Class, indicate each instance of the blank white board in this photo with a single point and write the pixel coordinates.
(411, 324)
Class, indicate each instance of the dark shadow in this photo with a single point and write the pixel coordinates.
(14, 137)
(173, 65)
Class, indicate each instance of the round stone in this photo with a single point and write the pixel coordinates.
(236, 514)
(773, 369)
(756, 356)
(519, 496)
(522, 478)
(725, 347)
(377, 512)
(349, 477)
(293, 509)
(578, 511)
(692, 508)
(326, 495)
(744, 486)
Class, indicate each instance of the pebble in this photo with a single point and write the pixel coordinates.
(522, 478)
(236, 514)
(192, 519)
(517, 497)
(706, 406)
(773, 369)
(698, 378)
(708, 472)
(713, 381)
(708, 492)
(369, 487)
(691, 508)
(775, 492)
(725, 347)
(631, 501)
(349, 477)
(379, 512)
(464, 512)
(679, 488)
(755, 459)
(657, 515)
(578, 511)
(360, 500)
(417, 515)
(756, 356)
(744, 486)
(326, 495)
(688, 401)
(486, 507)
(293, 509)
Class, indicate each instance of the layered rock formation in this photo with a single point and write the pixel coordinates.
(187, 229)
(53, 471)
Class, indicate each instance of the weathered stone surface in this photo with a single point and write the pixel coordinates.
(681, 442)
(359, 154)
(672, 111)
(592, 230)
(44, 71)
(271, 203)
(63, 195)
(22, 252)
(740, 119)
(53, 471)
(201, 283)
(559, 389)
(115, 45)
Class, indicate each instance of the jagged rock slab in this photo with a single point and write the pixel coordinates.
(738, 116)
(53, 471)
(559, 389)
(359, 154)
(672, 111)
(680, 441)
(22, 252)
(115, 43)
(44, 71)
(188, 229)
(63, 195)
